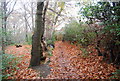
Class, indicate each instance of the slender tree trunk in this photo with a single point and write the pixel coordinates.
(98, 44)
(32, 16)
(26, 24)
(4, 20)
(26, 31)
(5, 14)
(26, 28)
(43, 40)
(54, 17)
(36, 52)
(3, 39)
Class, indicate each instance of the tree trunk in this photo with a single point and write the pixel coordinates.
(4, 20)
(26, 27)
(26, 31)
(36, 52)
(32, 16)
(43, 38)
(98, 44)
(5, 14)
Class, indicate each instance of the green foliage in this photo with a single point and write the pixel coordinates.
(84, 52)
(7, 36)
(8, 62)
(78, 32)
(114, 28)
(107, 13)
(50, 53)
(116, 74)
(52, 40)
(0, 67)
(29, 39)
(0, 36)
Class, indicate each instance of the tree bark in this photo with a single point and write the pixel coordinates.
(43, 38)
(26, 24)
(4, 19)
(36, 52)
(32, 16)
(5, 15)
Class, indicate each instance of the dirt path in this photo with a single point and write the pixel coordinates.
(67, 62)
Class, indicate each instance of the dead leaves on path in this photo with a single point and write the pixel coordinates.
(67, 62)
(23, 72)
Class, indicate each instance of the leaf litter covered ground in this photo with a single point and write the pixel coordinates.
(24, 55)
(67, 62)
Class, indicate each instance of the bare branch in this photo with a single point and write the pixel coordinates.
(45, 9)
(55, 12)
(12, 8)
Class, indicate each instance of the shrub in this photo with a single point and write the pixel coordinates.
(29, 40)
(7, 35)
(116, 75)
(77, 32)
(9, 62)
(59, 36)
(109, 39)
(85, 53)
(52, 40)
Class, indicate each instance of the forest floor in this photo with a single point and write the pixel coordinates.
(67, 62)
